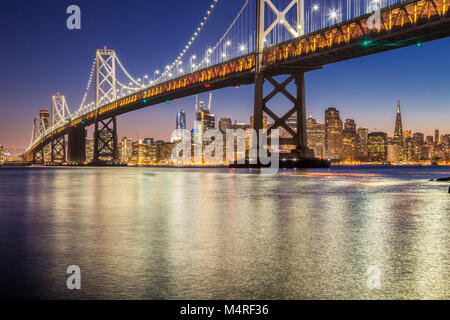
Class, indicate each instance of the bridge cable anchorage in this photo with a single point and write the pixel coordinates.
(210, 52)
(190, 43)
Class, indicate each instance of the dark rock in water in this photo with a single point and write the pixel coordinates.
(431, 180)
(443, 179)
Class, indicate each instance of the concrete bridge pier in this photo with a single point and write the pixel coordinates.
(77, 145)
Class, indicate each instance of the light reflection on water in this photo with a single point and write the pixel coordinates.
(214, 234)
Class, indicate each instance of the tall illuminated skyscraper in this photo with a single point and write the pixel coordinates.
(398, 132)
(363, 134)
(377, 146)
(333, 134)
(316, 137)
(436, 137)
(351, 143)
(181, 120)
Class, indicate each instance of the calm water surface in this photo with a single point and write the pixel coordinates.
(146, 233)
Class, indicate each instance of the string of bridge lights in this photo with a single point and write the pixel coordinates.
(127, 74)
(228, 43)
(87, 87)
(169, 68)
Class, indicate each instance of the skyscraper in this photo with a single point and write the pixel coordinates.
(377, 146)
(333, 134)
(181, 120)
(316, 137)
(126, 149)
(398, 132)
(363, 134)
(351, 143)
(436, 137)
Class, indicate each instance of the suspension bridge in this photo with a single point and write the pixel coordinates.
(253, 44)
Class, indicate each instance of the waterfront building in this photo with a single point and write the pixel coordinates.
(126, 150)
(350, 142)
(394, 153)
(377, 146)
(363, 134)
(139, 152)
(316, 137)
(89, 150)
(333, 134)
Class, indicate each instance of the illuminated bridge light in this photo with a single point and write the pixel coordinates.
(366, 43)
(144, 101)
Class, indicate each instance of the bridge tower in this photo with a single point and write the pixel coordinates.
(106, 144)
(59, 114)
(295, 75)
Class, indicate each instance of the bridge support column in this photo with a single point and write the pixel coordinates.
(298, 137)
(58, 150)
(77, 145)
(106, 145)
(38, 156)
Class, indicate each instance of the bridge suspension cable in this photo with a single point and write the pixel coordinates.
(205, 19)
(211, 51)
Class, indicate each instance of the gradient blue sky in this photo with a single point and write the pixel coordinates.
(39, 56)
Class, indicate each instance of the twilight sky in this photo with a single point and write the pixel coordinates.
(39, 56)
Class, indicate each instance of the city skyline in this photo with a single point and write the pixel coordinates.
(365, 88)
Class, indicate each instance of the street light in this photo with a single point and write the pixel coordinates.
(208, 54)
(155, 74)
(315, 8)
(333, 14)
(224, 55)
(192, 65)
(178, 67)
(242, 48)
